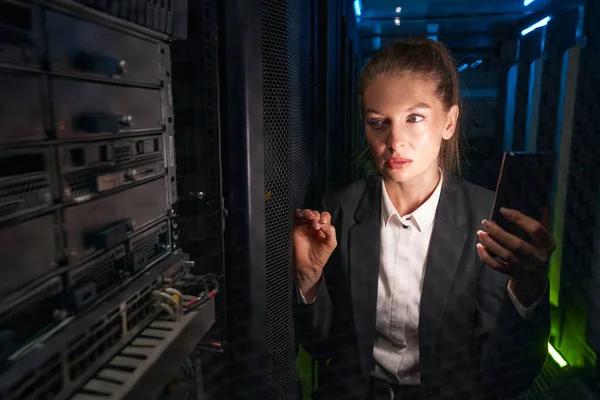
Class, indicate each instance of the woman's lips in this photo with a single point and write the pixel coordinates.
(398, 162)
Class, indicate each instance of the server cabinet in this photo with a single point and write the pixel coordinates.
(88, 235)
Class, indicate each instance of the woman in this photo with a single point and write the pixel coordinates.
(404, 287)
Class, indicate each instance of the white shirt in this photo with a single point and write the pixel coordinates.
(403, 256)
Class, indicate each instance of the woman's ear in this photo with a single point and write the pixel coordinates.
(451, 122)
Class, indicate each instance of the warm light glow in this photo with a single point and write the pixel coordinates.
(399, 9)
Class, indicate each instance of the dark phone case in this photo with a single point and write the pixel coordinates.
(524, 184)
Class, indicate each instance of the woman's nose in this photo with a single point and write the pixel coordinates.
(397, 137)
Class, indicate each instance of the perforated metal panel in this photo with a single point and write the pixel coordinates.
(289, 58)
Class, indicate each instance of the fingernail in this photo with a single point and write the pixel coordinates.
(318, 226)
(485, 223)
(504, 211)
(479, 246)
(481, 233)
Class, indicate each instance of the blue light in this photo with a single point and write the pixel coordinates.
(432, 31)
(357, 7)
(476, 63)
(463, 67)
(527, 2)
(538, 24)
(377, 42)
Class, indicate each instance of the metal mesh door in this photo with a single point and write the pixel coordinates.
(289, 102)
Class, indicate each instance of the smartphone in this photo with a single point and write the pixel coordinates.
(524, 184)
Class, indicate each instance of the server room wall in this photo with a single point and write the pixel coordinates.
(566, 53)
(579, 286)
(89, 239)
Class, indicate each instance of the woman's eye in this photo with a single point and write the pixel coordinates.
(376, 123)
(415, 118)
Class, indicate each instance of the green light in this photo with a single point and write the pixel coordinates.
(556, 356)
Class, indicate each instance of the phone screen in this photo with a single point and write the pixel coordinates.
(525, 184)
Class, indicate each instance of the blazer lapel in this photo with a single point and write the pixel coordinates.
(364, 248)
(445, 250)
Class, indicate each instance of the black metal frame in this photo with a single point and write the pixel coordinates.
(199, 166)
(243, 144)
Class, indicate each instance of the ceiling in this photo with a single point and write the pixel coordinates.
(467, 26)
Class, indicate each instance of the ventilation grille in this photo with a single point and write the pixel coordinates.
(87, 350)
(289, 123)
(165, 16)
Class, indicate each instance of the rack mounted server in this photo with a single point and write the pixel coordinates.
(87, 187)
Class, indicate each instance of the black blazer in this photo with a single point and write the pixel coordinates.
(473, 342)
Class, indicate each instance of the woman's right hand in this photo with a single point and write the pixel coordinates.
(314, 242)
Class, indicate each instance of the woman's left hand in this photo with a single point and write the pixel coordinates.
(523, 262)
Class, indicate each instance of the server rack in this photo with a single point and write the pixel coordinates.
(96, 292)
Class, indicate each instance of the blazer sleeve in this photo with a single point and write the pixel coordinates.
(513, 349)
(313, 322)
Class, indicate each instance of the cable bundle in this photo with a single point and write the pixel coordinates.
(176, 304)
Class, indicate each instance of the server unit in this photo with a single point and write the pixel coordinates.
(87, 187)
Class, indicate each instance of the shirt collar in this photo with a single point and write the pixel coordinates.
(421, 217)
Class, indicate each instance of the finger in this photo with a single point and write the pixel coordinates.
(325, 218)
(518, 247)
(308, 214)
(316, 222)
(312, 217)
(496, 248)
(546, 217)
(301, 218)
(330, 238)
(525, 252)
(298, 217)
(317, 215)
(533, 228)
(490, 261)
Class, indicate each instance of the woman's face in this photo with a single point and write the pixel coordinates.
(405, 123)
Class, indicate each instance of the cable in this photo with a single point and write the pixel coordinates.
(177, 309)
(166, 296)
(178, 296)
(212, 346)
(209, 281)
(174, 292)
(169, 310)
(185, 303)
(197, 302)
